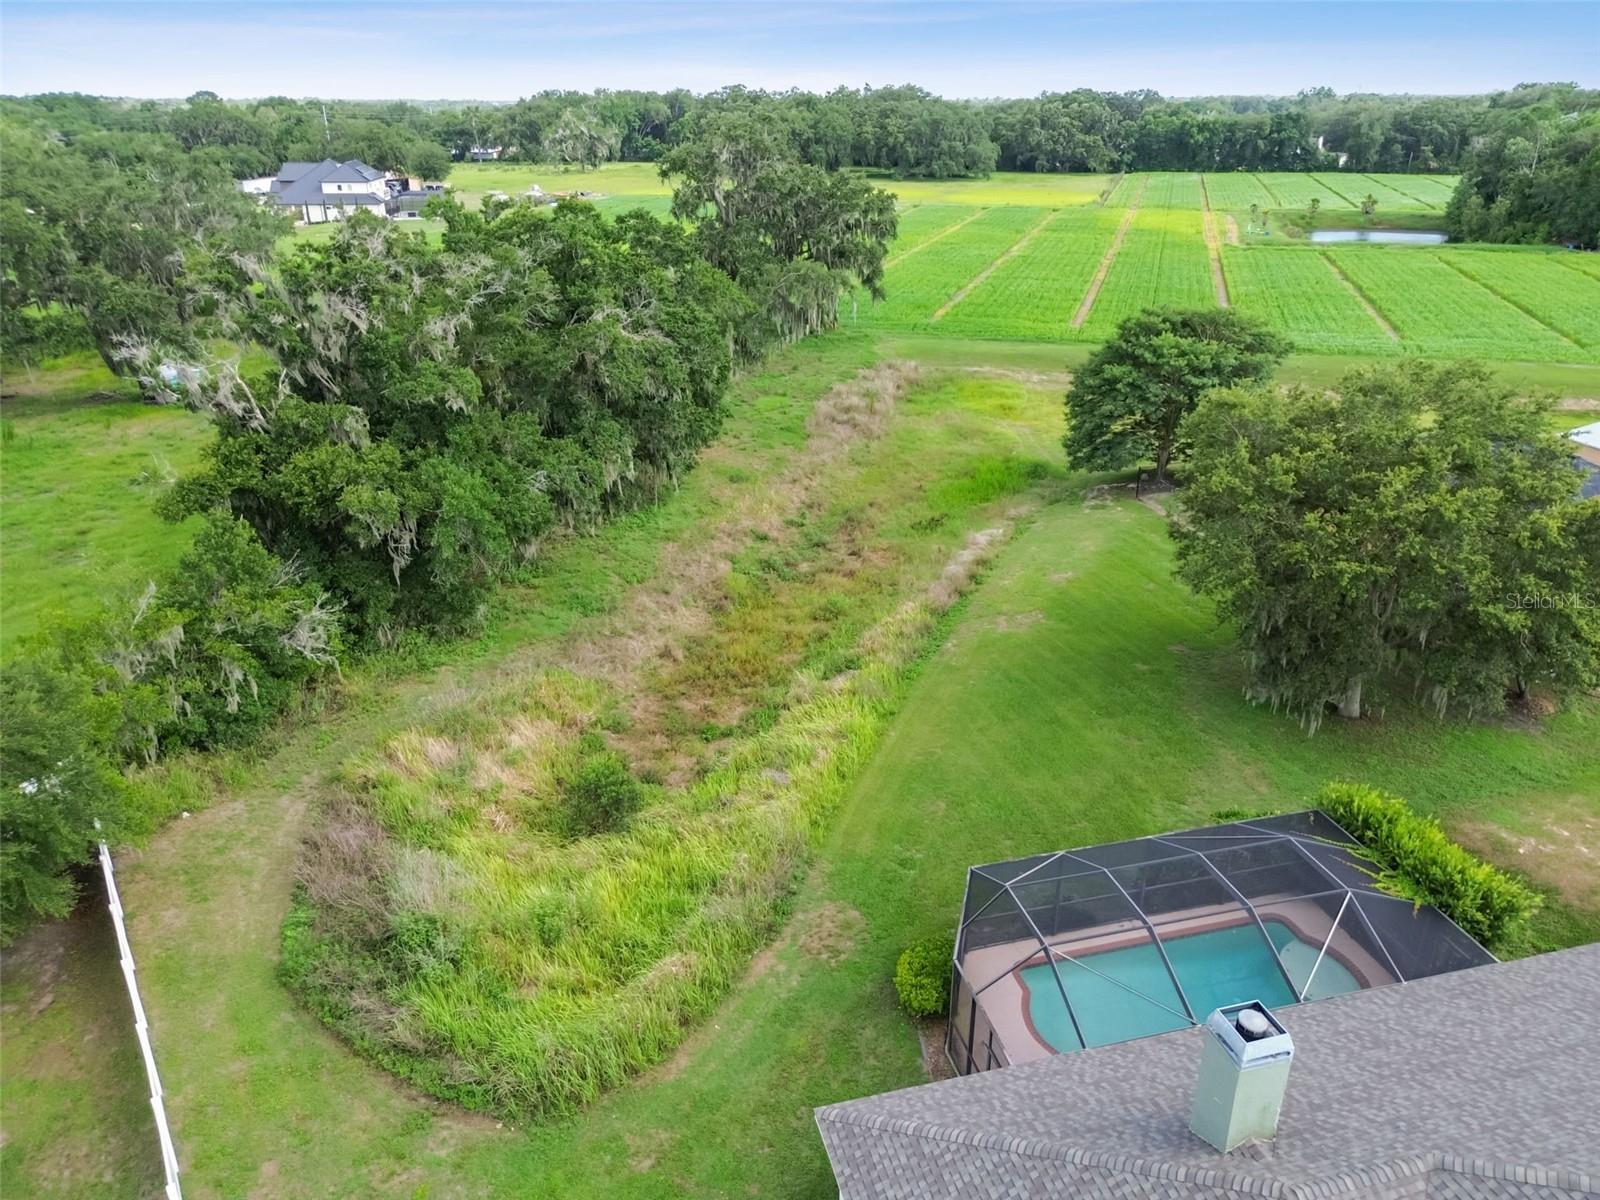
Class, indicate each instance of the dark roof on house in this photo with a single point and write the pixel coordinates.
(353, 171)
(304, 186)
(1482, 1084)
(290, 171)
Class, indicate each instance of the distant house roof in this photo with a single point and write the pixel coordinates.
(353, 171)
(1476, 1085)
(290, 171)
(301, 183)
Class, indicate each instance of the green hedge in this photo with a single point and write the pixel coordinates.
(1418, 861)
(922, 975)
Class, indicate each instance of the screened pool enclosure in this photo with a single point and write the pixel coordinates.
(1083, 948)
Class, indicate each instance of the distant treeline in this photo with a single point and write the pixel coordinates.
(1530, 153)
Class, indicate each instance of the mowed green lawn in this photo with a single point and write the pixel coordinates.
(83, 464)
(1080, 695)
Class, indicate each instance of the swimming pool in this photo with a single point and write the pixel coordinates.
(1215, 966)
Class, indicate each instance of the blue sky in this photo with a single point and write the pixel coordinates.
(482, 49)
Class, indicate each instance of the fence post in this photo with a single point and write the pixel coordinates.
(141, 1027)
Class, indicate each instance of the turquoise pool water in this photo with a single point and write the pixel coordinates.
(1215, 967)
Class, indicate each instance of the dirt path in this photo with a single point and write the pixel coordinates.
(1361, 296)
(1104, 269)
(1208, 224)
(943, 233)
(1233, 230)
(978, 279)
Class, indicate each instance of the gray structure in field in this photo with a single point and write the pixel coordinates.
(1480, 1084)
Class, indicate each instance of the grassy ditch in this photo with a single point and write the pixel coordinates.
(456, 924)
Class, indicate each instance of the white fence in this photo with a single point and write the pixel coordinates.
(141, 1027)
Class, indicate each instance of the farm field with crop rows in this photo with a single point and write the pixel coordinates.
(1013, 271)
(1539, 285)
(1034, 293)
(1162, 261)
(1237, 190)
(1437, 310)
(1297, 292)
(923, 281)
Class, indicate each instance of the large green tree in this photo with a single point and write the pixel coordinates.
(150, 245)
(1127, 403)
(1417, 529)
(441, 410)
(796, 237)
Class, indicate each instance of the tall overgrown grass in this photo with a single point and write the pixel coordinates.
(449, 925)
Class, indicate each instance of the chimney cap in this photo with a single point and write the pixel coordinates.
(1251, 1034)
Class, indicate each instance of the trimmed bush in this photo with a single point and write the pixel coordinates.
(1417, 861)
(922, 975)
(600, 796)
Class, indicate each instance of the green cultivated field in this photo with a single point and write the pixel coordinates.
(1032, 294)
(1507, 304)
(1443, 313)
(923, 281)
(1522, 304)
(1297, 292)
(1162, 261)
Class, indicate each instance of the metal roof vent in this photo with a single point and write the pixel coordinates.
(1244, 1069)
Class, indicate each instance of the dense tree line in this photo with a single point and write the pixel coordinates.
(121, 240)
(1534, 176)
(435, 413)
(904, 130)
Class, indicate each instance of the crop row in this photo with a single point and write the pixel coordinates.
(1172, 189)
(1237, 191)
(1566, 301)
(1034, 293)
(1297, 292)
(920, 283)
(1162, 261)
(1437, 310)
(923, 221)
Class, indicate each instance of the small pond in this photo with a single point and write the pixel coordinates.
(1406, 237)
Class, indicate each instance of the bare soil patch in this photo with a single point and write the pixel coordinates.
(1208, 225)
(1565, 858)
(935, 1062)
(831, 932)
(1017, 622)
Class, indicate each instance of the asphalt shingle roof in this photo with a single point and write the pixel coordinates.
(1482, 1084)
(306, 186)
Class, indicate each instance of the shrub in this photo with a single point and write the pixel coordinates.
(600, 795)
(1418, 861)
(204, 657)
(55, 782)
(922, 975)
